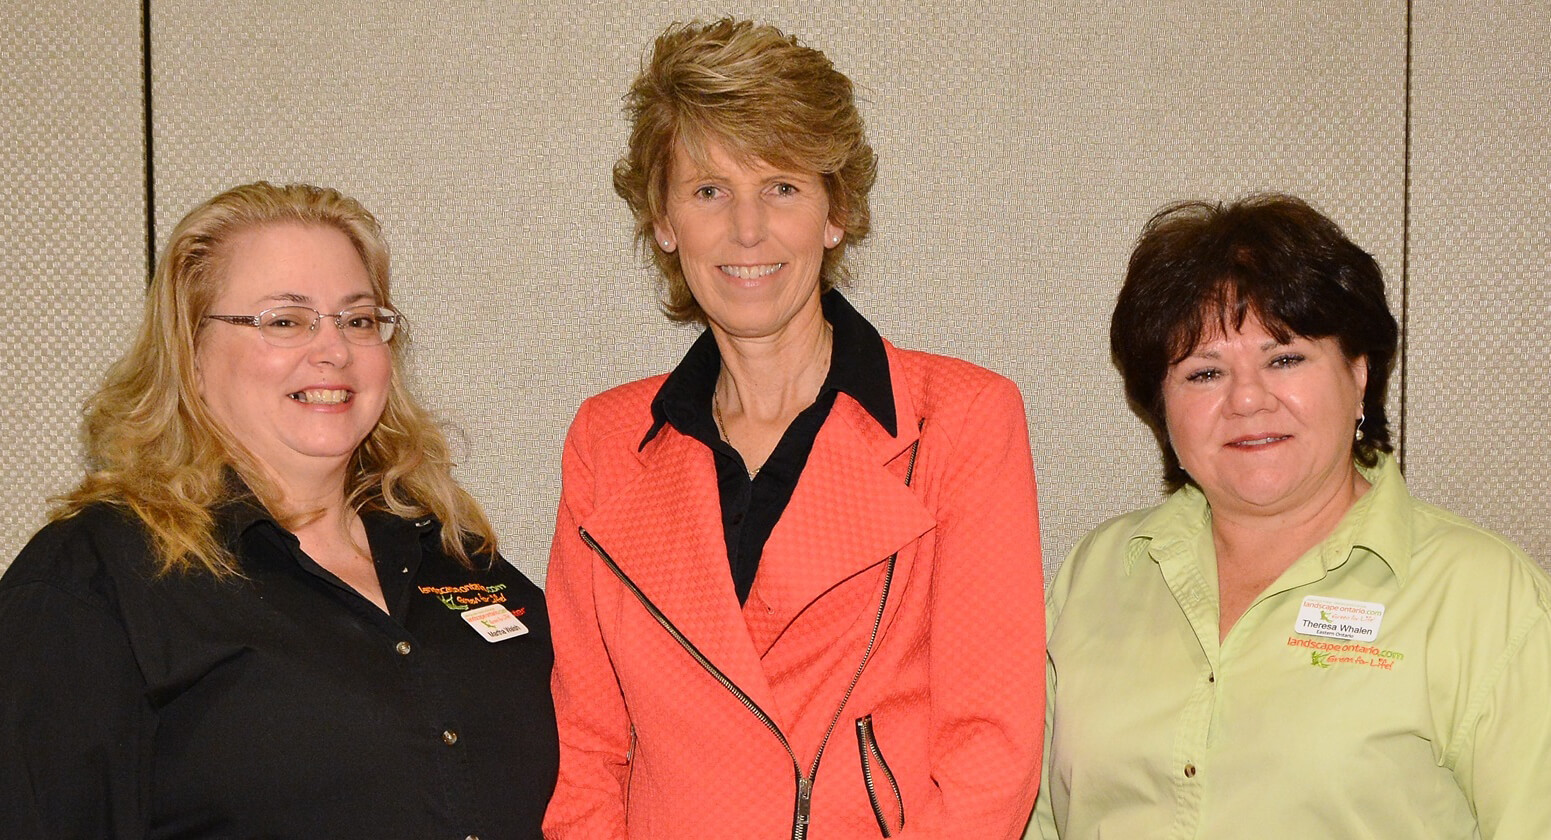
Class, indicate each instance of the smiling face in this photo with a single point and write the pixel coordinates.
(299, 410)
(1263, 427)
(750, 238)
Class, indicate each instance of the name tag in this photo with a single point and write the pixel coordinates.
(1338, 618)
(495, 623)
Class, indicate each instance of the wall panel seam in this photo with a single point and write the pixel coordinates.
(150, 155)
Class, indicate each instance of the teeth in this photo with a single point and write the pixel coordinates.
(1259, 441)
(320, 396)
(751, 272)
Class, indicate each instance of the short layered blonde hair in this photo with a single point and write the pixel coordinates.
(760, 95)
(157, 451)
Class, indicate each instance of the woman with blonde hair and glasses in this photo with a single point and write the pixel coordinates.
(269, 610)
(796, 582)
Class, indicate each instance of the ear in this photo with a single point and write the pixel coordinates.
(1360, 376)
(667, 240)
(833, 233)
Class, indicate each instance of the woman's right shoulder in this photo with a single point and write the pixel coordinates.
(79, 549)
(1103, 554)
(622, 409)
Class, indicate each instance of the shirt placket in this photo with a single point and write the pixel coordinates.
(1197, 598)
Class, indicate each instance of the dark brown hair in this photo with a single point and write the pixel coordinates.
(1199, 267)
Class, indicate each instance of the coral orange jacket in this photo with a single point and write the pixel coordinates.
(885, 677)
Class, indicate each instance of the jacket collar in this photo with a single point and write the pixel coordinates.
(859, 368)
(850, 511)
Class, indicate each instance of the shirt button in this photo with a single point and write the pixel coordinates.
(1190, 771)
(403, 648)
(1211, 678)
(449, 737)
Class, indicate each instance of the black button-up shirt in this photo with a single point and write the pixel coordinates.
(858, 367)
(281, 704)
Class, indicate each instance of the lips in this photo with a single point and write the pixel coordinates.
(750, 272)
(323, 396)
(1252, 441)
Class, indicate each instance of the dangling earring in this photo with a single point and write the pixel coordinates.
(1358, 435)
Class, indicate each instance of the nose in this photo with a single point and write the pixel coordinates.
(328, 345)
(1248, 394)
(748, 221)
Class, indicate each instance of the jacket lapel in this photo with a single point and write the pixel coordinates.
(664, 531)
(850, 512)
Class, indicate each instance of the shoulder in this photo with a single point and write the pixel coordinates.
(1468, 561)
(946, 388)
(85, 554)
(619, 412)
(1107, 556)
(945, 378)
(1109, 541)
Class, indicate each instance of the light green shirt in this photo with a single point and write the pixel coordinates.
(1437, 727)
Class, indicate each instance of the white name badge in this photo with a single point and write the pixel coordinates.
(495, 622)
(1338, 618)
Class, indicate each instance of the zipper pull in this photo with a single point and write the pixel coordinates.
(804, 806)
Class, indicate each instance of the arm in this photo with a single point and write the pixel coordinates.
(75, 727)
(589, 798)
(1506, 768)
(1042, 826)
(987, 636)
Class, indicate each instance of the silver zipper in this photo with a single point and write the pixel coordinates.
(867, 743)
(804, 804)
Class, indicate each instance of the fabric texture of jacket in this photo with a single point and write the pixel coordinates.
(886, 673)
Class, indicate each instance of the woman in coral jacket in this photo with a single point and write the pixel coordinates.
(795, 583)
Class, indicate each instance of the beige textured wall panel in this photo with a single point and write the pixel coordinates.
(1022, 146)
(1133, 106)
(1480, 306)
(72, 235)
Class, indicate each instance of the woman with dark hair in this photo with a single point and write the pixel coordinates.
(796, 582)
(1289, 646)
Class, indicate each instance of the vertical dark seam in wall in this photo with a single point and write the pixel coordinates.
(150, 152)
(1405, 255)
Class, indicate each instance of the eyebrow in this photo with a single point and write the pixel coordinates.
(306, 300)
(1213, 354)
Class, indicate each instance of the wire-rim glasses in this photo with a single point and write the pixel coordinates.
(293, 326)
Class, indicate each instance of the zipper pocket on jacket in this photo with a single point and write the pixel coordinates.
(874, 768)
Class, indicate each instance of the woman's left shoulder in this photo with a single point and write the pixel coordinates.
(945, 383)
(1463, 565)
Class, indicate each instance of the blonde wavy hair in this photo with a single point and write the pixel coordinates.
(157, 451)
(761, 95)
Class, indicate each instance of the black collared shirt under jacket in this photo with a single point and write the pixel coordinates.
(280, 704)
(751, 507)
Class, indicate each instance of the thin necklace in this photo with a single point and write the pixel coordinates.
(716, 414)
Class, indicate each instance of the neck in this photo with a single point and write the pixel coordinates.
(772, 377)
(315, 492)
(1271, 541)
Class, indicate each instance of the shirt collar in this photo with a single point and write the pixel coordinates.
(243, 510)
(1379, 523)
(858, 368)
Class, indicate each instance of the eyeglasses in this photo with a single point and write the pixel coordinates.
(293, 326)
